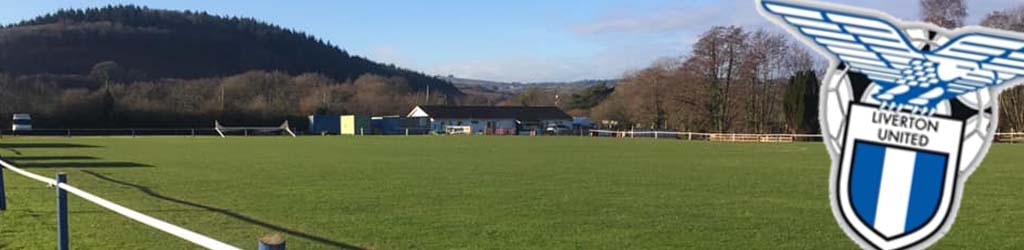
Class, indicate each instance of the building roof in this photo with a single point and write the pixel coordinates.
(485, 112)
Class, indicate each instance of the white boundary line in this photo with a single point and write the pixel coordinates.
(180, 232)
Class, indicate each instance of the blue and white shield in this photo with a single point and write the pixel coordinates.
(896, 181)
(894, 190)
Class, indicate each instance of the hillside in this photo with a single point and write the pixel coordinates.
(157, 44)
(517, 87)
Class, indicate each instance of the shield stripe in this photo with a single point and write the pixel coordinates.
(924, 198)
(897, 172)
(865, 179)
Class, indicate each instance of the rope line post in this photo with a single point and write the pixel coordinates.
(3, 193)
(272, 242)
(62, 213)
(185, 234)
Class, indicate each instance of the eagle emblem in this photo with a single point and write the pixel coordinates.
(910, 78)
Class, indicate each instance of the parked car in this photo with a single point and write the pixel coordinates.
(557, 130)
(21, 122)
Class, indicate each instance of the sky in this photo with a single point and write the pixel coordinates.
(515, 41)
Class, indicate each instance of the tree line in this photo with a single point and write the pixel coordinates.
(737, 80)
(250, 98)
(733, 81)
(1011, 101)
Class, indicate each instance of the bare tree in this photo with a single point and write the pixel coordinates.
(732, 82)
(1011, 101)
(948, 14)
(765, 72)
(315, 92)
(689, 99)
(719, 56)
(647, 94)
(612, 110)
(534, 96)
(381, 95)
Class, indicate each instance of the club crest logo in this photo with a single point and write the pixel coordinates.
(908, 112)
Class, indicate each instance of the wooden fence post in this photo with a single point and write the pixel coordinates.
(272, 242)
(62, 213)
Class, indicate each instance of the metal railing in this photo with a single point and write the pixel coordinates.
(71, 132)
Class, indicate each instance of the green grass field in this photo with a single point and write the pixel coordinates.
(433, 192)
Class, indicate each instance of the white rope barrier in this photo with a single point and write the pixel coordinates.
(169, 228)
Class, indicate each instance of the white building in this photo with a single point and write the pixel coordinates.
(489, 120)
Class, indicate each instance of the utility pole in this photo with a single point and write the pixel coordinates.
(222, 97)
(428, 95)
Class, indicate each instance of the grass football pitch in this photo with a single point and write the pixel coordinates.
(434, 192)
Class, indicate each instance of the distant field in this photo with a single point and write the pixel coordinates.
(435, 192)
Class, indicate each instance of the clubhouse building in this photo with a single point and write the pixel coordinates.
(489, 120)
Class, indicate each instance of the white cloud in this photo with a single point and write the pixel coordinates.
(693, 19)
(387, 54)
(672, 19)
(630, 40)
(608, 63)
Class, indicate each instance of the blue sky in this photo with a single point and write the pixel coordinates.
(526, 40)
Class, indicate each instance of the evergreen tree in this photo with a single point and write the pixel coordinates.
(590, 96)
(800, 103)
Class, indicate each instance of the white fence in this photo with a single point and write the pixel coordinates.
(697, 136)
(1010, 137)
(198, 239)
(737, 137)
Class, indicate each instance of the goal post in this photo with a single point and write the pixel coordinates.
(221, 129)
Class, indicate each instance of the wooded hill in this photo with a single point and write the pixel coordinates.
(155, 44)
